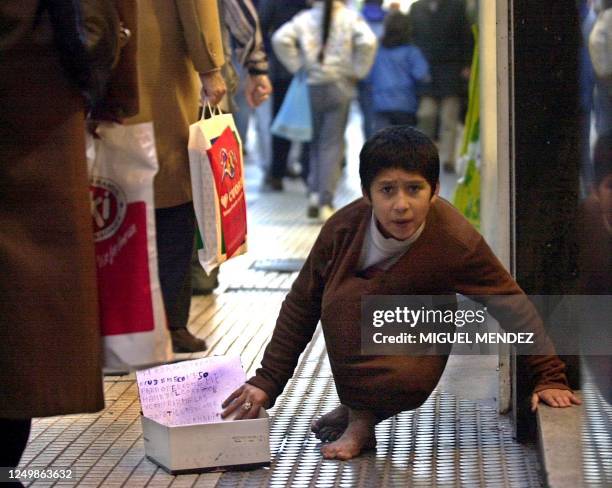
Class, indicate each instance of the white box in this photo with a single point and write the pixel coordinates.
(233, 444)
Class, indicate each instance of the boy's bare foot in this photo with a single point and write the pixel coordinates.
(332, 425)
(359, 435)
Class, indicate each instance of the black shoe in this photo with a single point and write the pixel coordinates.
(271, 183)
(185, 341)
(312, 212)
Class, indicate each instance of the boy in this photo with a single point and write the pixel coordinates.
(399, 239)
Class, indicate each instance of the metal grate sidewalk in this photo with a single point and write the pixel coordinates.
(448, 442)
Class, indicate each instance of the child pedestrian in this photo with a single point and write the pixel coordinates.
(399, 239)
(398, 69)
(335, 47)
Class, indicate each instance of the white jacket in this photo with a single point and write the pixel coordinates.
(350, 50)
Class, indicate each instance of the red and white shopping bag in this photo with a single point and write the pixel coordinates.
(122, 164)
(217, 180)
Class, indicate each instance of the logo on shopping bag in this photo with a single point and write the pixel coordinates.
(229, 161)
(108, 207)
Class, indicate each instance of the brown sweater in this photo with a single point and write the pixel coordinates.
(449, 257)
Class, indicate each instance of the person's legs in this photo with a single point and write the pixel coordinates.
(449, 117)
(364, 97)
(280, 146)
(330, 126)
(15, 433)
(427, 116)
(381, 120)
(175, 227)
(403, 118)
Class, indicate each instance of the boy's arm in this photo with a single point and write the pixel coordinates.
(481, 276)
(296, 323)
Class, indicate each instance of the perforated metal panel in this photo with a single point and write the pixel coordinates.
(596, 438)
(446, 442)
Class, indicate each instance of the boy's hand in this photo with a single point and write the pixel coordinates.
(554, 397)
(248, 399)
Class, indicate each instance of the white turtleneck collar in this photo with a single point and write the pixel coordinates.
(382, 251)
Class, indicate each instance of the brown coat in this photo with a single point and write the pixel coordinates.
(174, 37)
(450, 256)
(49, 331)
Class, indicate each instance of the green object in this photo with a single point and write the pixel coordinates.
(467, 193)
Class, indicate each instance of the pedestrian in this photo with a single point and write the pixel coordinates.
(441, 30)
(398, 70)
(50, 344)
(335, 47)
(273, 14)
(180, 54)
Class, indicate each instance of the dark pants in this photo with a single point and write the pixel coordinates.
(15, 433)
(175, 228)
(390, 118)
(281, 146)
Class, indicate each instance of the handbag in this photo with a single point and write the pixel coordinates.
(294, 120)
(122, 164)
(217, 182)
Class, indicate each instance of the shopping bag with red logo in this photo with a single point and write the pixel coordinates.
(122, 163)
(217, 180)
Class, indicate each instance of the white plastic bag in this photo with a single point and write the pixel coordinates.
(122, 164)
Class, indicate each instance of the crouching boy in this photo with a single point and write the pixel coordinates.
(399, 239)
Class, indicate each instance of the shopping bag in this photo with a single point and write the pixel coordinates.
(122, 163)
(294, 120)
(217, 181)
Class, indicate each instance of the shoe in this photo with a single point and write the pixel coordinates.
(325, 212)
(185, 341)
(313, 206)
(271, 183)
(202, 283)
(313, 211)
(448, 167)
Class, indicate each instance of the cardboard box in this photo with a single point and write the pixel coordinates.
(233, 444)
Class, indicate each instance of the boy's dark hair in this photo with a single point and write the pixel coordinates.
(602, 157)
(397, 30)
(401, 147)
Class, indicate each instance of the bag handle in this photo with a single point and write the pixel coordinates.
(211, 110)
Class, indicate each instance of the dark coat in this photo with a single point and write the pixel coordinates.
(50, 346)
(273, 14)
(445, 38)
(449, 257)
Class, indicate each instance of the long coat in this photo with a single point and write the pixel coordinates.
(177, 39)
(445, 38)
(49, 331)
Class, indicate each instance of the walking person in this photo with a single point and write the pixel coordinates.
(273, 14)
(441, 30)
(399, 69)
(335, 47)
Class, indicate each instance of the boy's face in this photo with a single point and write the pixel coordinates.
(400, 201)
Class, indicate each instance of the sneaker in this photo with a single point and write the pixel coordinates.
(185, 341)
(326, 212)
